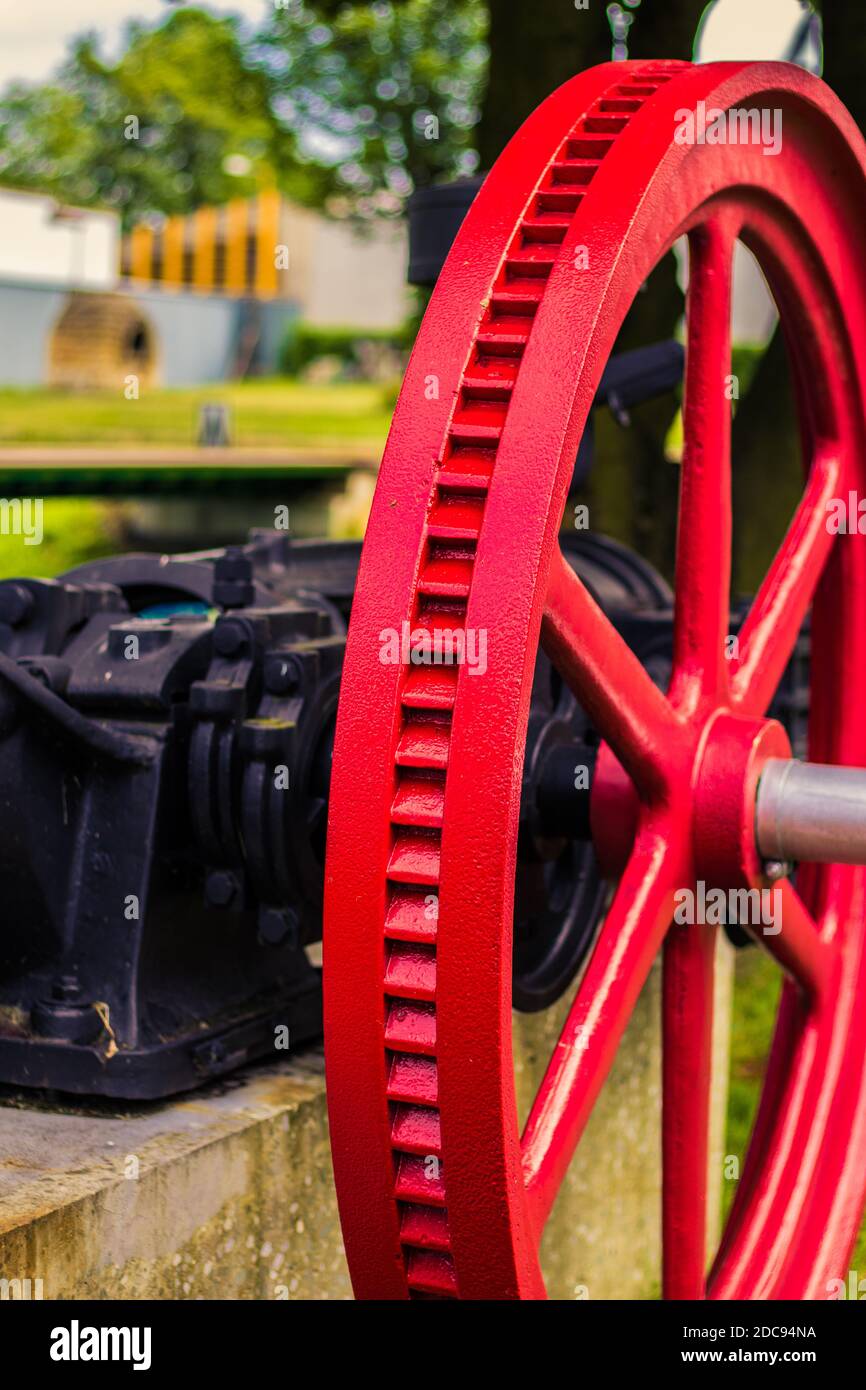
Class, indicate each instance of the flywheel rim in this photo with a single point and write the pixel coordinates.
(436, 1197)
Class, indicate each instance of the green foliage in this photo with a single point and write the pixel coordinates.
(384, 96)
(350, 114)
(305, 343)
(261, 412)
(75, 529)
(756, 999)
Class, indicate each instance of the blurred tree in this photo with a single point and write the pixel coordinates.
(535, 48)
(352, 111)
(383, 97)
(350, 104)
(179, 120)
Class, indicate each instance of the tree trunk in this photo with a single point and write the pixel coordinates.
(766, 441)
(536, 47)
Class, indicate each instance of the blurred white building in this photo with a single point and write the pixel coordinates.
(182, 300)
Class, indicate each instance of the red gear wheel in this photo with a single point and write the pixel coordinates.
(438, 1193)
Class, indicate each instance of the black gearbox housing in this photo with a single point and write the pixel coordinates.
(166, 727)
(165, 740)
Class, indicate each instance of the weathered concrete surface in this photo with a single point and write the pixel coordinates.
(228, 1193)
(233, 1198)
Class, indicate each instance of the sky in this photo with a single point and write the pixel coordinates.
(34, 34)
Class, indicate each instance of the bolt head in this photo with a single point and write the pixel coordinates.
(66, 988)
(776, 869)
(229, 637)
(16, 604)
(278, 926)
(282, 675)
(220, 888)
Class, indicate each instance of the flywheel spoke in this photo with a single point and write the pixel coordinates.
(770, 631)
(795, 942)
(703, 565)
(687, 1041)
(629, 941)
(607, 678)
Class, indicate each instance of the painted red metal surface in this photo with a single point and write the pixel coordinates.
(439, 1193)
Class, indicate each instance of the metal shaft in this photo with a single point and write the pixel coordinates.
(811, 812)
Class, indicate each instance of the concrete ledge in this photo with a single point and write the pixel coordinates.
(224, 1194)
(228, 1193)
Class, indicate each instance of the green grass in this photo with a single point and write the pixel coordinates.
(266, 412)
(744, 364)
(756, 995)
(74, 529)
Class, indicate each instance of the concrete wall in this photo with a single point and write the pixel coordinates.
(196, 334)
(356, 278)
(46, 243)
(27, 315)
(344, 277)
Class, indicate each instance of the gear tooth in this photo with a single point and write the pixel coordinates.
(466, 469)
(607, 125)
(509, 336)
(424, 743)
(413, 1079)
(482, 422)
(457, 518)
(411, 1027)
(574, 173)
(592, 147)
(415, 1130)
(430, 688)
(525, 261)
(420, 1180)
(429, 1271)
(411, 916)
(425, 1227)
(493, 378)
(411, 971)
(419, 801)
(441, 622)
(447, 576)
(415, 858)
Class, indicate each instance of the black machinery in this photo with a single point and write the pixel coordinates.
(165, 737)
(166, 726)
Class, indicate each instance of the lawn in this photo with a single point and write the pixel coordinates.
(263, 412)
(75, 529)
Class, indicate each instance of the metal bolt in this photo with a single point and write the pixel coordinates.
(229, 638)
(281, 674)
(278, 926)
(66, 989)
(16, 604)
(220, 888)
(776, 869)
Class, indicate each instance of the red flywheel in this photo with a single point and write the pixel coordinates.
(439, 1193)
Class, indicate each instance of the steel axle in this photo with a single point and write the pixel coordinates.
(811, 812)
